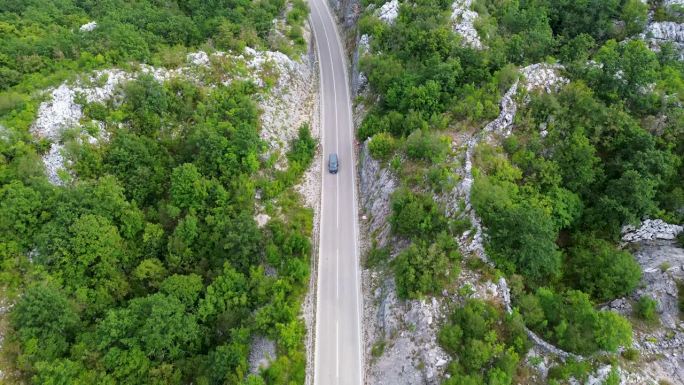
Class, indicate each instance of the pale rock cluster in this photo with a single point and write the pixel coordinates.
(88, 27)
(389, 11)
(198, 58)
(376, 185)
(651, 229)
(261, 354)
(544, 77)
(288, 104)
(463, 19)
(284, 109)
(62, 112)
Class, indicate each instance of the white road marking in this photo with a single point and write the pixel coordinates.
(337, 274)
(337, 349)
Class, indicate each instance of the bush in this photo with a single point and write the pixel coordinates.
(426, 146)
(522, 240)
(377, 255)
(303, 149)
(487, 341)
(600, 269)
(381, 146)
(424, 268)
(570, 321)
(415, 215)
(680, 295)
(646, 308)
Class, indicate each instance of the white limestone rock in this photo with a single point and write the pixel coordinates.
(666, 30)
(261, 354)
(389, 11)
(88, 27)
(649, 230)
(198, 58)
(542, 76)
(463, 19)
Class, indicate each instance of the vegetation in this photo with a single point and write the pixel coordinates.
(571, 322)
(552, 204)
(147, 266)
(646, 309)
(486, 342)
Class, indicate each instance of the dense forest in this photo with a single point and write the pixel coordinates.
(604, 151)
(147, 266)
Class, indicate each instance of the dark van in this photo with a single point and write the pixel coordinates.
(333, 164)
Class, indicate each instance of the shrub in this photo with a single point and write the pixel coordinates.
(680, 295)
(425, 268)
(377, 255)
(381, 146)
(631, 354)
(600, 269)
(570, 321)
(415, 215)
(426, 146)
(303, 148)
(646, 308)
(487, 341)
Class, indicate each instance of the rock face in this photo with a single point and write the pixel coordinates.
(543, 77)
(463, 19)
(284, 109)
(408, 331)
(289, 103)
(262, 353)
(389, 11)
(662, 262)
(376, 185)
(651, 229)
(666, 30)
(61, 112)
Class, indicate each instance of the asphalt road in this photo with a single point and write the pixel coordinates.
(338, 353)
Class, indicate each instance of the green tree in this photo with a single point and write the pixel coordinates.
(415, 215)
(20, 212)
(601, 270)
(425, 268)
(157, 326)
(188, 187)
(522, 240)
(46, 323)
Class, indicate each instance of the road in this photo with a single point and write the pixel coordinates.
(338, 353)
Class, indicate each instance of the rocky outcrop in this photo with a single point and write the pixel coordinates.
(463, 19)
(376, 185)
(651, 229)
(543, 77)
(62, 112)
(662, 262)
(389, 11)
(666, 30)
(262, 353)
(284, 109)
(88, 27)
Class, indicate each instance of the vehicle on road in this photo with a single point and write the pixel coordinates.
(333, 163)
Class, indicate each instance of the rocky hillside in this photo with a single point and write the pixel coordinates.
(401, 335)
